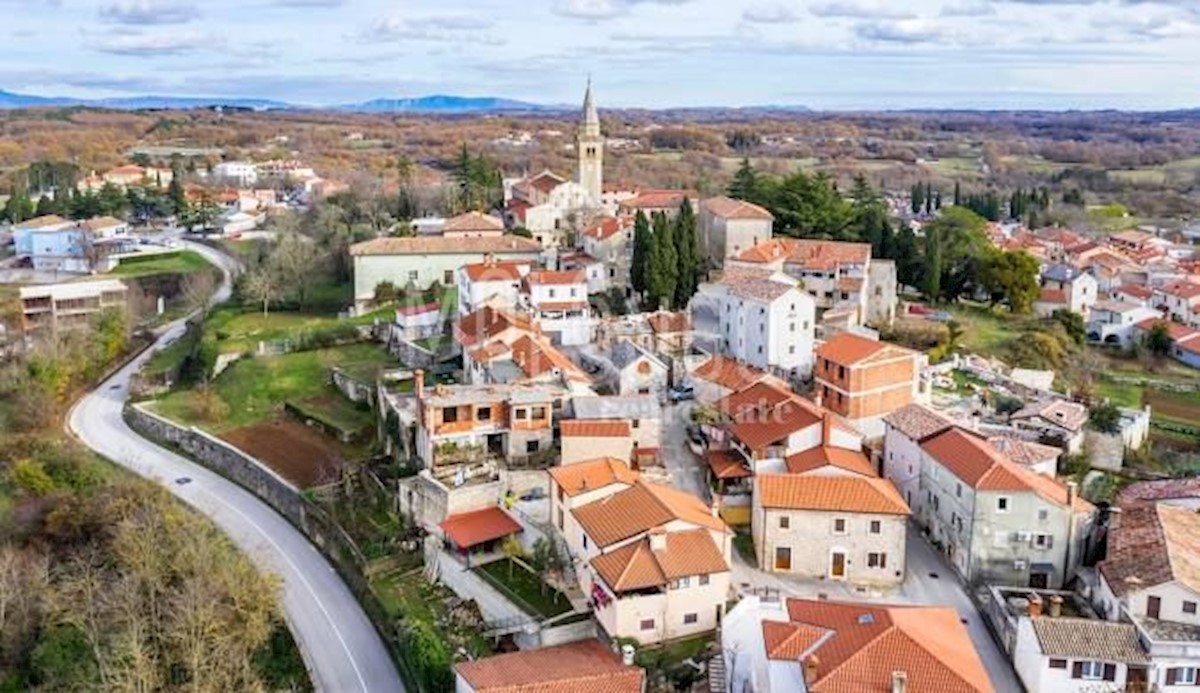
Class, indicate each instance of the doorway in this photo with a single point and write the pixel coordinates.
(783, 558)
(1153, 607)
(837, 565)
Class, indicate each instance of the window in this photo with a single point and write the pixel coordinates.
(785, 522)
(520, 413)
(573, 292)
(531, 446)
(1058, 664)
(414, 275)
(792, 349)
(1043, 514)
(760, 349)
(1183, 675)
(551, 293)
(448, 277)
(1002, 505)
(703, 580)
(484, 413)
(791, 327)
(841, 372)
(839, 526)
(450, 415)
(560, 519)
(647, 624)
(683, 582)
(958, 490)
(1092, 671)
(538, 413)
(1189, 607)
(877, 560)
(585, 541)
(761, 328)
(876, 526)
(783, 558)
(1043, 541)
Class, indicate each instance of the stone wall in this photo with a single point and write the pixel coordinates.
(353, 389)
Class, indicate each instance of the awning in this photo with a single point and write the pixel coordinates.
(727, 464)
(471, 529)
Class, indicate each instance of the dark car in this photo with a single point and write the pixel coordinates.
(680, 394)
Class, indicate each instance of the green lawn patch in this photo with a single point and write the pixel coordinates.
(334, 411)
(524, 588)
(254, 389)
(179, 262)
(984, 330)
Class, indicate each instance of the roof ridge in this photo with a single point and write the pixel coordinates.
(1162, 537)
(891, 626)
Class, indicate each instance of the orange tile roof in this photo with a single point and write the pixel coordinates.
(637, 566)
(640, 508)
(596, 428)
(586, 666)
(580, 477)
(1135, 290)
(1181, 289)
(556, 277)
(856, 494)
(1049, 295)
(607, 227)
(870, 642)
(917, 421)
(658, 199)
(546, 181)
(487, 322)
(729, 208)
(537, 356)
(473, 221)
(663, 322)
(440, 245)
(728, 373)
(562, 305)
(972, 459)
(808, 253)
(479, 526)
(493, 271)
(1176, 331)
(1151, 545)
(790, 641)
(727, 464)
(848, 349)
(829, 456)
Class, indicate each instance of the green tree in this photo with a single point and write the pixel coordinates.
(687, 255)
(745, 182)
(1158, 339)
(1105, 417)
(112, 201)
(932, 286)
(175, 191)
(19, 207)
(664, 264)
(1072, 324)
(962, 245)
(1011, 277)
(910, 266)
(643, 249)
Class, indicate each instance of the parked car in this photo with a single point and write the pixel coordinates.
(679, 394)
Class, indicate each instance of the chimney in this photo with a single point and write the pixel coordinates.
(1035, 605)
(658, 539)
(811, 665)
(1056, 603)
(1072, 490)
(419, 384)
(627, 654)
(899, 682)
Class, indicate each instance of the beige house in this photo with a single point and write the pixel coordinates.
(996, 520)
(728, 226)
(653, 560)
(587, 440)
(581, 483)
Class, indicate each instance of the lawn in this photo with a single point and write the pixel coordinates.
(254, 389)
(984, 331)
(182, 262)
(524, 589)
(332, 410)
(241, 331)
(955, 167)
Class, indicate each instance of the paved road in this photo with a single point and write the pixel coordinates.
(340, 646)
(688, 472)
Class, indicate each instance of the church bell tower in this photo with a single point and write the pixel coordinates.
(589, 145)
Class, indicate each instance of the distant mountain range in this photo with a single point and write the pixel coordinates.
(438, 103)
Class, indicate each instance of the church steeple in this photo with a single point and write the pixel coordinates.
(589, 146)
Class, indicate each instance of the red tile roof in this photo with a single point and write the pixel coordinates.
(727, 464)
(607, 227)
(1181, 289)
(856, 494)
(828, 456)
(581, 477)
(440, 245)
(730, 208)
(728, 373)
(848, 349)
(472, 221)
(586, 666)
(1175, 330)
(638, 566)
(639, 509)
(654, 200)
(809, 254)
(494, 271)
(1135, 290)
(556, 278)
(1049, 295)
(870, 642)
(487, 322)
(479, 526)
(595, 428)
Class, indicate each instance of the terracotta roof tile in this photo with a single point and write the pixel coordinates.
(596, 428)
(1176, 331)
(607, 227)
(916, 421)
(858, 494)
(556, 277)
(728, 373)
(808, 253)
(1153, 544)
(487, 322)
(664, 322)
(658, 199)
(479, 526)
(828, 456)
(493, 271)
(586, 666)
(729, 208)
(440, 245)
(1024, 452)
(641, 508)
(1181, 289)
(637, 566)
(727, 464)
(1142, 292)
(791, 641)
(590, 475)
(1069, 415)
(848, 349)
(473, 221)
(1049, 295)
(870, 642)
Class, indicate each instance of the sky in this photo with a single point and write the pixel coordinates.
(824, 54)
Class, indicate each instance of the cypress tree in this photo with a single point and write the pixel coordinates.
(643, 244)
(687, 253)
(957, 194)
(664, 263)
(933, 264)
(745, 182)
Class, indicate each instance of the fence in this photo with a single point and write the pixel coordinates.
(326, 535)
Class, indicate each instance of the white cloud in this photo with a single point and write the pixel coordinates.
(446, 27)
(770, 14)
(862, 9)
(969, 8)
(149, 12)
(905, 31)
(595, 10)
(148, 44)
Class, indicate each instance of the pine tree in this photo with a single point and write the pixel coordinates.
(175, 191)
(687, 253)
(643, 244)
(745, 182)
(957, 194)
(909, 264)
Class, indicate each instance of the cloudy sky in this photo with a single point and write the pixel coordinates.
(830, 54)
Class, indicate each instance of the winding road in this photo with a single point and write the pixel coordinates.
(342, 650)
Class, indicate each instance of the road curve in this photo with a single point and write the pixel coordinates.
(341, 648)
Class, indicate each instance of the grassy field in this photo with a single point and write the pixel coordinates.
(411, 597)
(955, 167)
(525, 589)
(254, 389)
(984, 331)
(183, 262)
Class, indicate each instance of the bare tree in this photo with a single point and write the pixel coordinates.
(295, 262)
(262, 286)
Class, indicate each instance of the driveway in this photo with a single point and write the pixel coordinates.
(340, 646)
(687, 470)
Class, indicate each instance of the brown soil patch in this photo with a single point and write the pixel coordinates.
(1179, 407)
(294, 451)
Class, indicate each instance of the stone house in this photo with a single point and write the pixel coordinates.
(728, 226)
(639, 372)
(587, 440)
